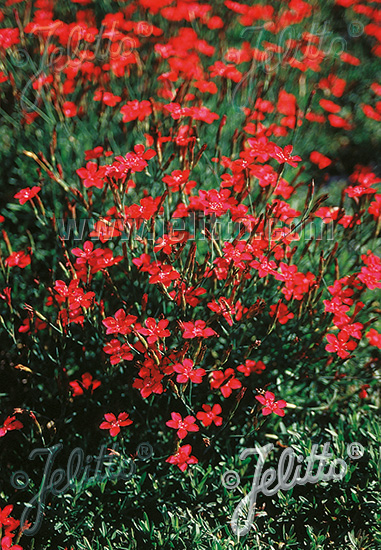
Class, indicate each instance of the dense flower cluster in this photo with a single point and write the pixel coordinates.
(154, 291)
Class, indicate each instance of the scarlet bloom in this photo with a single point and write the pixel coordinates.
(110, 99)
(177, 179)
(226, 381)
(10, 424)
(5, 518)
(186, 372)
(270, 405)
(319, 159)
(284, 155)
(223, 307)
(283, 315)
(92, 176)
(339, 122)
(251, 366)
(374, 338)
(264, 266)
(154, 330)
(183, 457)
(363, 394)
(119, 324)
(183, 426)
(197, 329)
(19, 259)
(26, 325)
(150, 379)
(329, 106)
(27, 194)
(340, 344)
(113, 424)
(136, 110)
(164, 274)
(286, 103)
(210, 414)
(375, 207)
(87, 383)
(95, 153)
(119, 352)
(69, 109)
(168, 241)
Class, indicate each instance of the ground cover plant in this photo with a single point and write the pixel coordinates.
(190, 266)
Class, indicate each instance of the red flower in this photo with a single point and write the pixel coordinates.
(225, 308)
(10, 424)
(91, 175)
(270, 405)
(351, 59)
(164, 274)
(119, 352)
(95, 153)
(329, 106)
(120, 323)
(215, 202)
(183, 457)
(283, 315)
(286, 103)
(143, 262)
(69, 109)
(183, 426)
(110, 99)
(154, 330)
(374, 338)
(333, 83)
(134, 162)
(150, 380)
(136, 110)
(284, 155)
(371, 274)
(38, 325)
(210, 415)
(226, 381)
(339, 122)
(5, 518)
(197, 329)
(114, 424)
(363, 394)
(340, 344)
(251, 366)
(7, 295)
(320, 160)
(27, 194)
(375, 207)
(186, 372)
(19, 259)
(87, 383)
(6, 544)
(179, 179)
(264, 266)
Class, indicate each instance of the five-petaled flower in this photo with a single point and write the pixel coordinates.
(210, 415)
(27, 194)
(183, 457)
(186, 371)
(182, 425)
(19, 259)
(154, 330)
(197, 329)
(114, 424)
(270, 405)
